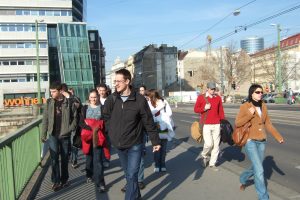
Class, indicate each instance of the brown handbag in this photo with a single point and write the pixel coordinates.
(240, 135)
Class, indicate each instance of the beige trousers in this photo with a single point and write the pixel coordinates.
(211, 136)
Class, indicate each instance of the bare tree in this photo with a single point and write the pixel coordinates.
(265, 67)
(236, 66)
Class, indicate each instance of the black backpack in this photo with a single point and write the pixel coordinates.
(226, 132)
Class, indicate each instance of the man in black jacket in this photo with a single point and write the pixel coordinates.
(126, 113)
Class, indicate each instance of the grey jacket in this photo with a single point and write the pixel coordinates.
(68, 121)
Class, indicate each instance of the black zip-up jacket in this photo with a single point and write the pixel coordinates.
(125, 120)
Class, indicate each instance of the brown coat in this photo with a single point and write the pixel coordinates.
(259, 125)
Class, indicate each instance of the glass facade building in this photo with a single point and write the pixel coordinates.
(74, 58)
(252, 44)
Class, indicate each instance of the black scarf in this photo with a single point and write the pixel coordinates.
(257, 103)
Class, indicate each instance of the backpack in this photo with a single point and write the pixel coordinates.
(226, 132)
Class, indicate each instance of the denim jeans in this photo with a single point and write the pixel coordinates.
(142, 164)
(160, 156)
(59, 146)
(130, 160)
(94, 165)
(255, 151)
(74, 150)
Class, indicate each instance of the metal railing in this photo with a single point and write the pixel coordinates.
(20, 154)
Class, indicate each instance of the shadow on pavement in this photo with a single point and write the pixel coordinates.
(179, 169)
(269, 166)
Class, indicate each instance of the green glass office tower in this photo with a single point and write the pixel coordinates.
(74, 58)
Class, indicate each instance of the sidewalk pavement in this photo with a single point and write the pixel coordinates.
(184, 179)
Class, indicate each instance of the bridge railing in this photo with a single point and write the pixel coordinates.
(20, 154)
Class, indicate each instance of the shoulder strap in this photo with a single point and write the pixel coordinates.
(205, 114)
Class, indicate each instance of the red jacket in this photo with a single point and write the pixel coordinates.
(215, 114)
(87, 137)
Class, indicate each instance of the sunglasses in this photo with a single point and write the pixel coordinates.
(212, 88)
(259, 92)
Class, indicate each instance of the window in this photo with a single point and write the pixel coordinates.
(28, 45)
(20, 45)
(12, 46)
(92, 37)
(4, 28)
(94, 57)
(43, 45)
(5, 62)
(49, 13)
(26, 12)
(20, 27)
(19, 12)
(42, 13)
(64, 13)
(12, 28)
(190, 73)
(21, 62)
(13, 62)
(34, 12)
(42, 28)
(56, 13)
(28, 62)
(27, 28)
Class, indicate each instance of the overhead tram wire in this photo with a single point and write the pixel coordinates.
(251, 25)
(214, 25)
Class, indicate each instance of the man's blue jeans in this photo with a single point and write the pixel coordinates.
(142, 164)
(255, 151)
(130, 160)
(59, 146)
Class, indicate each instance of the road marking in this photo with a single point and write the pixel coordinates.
(186, 121)
(297, 167)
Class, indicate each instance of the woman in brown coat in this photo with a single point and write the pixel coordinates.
(256, 112)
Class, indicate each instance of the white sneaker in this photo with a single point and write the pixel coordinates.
(156, 169)
(214, 168)
(163, 169)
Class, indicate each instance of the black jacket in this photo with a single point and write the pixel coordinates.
(125, 120)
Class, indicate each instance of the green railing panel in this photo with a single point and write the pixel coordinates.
(6, 167)
(19, 157)
(26, 157)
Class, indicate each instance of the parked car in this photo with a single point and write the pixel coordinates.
(244, 100)
(269, 98)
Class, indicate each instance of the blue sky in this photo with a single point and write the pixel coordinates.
(126, 26)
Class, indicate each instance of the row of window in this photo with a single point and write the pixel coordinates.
(22, 45)
(24, 78)
(22, 62)
(22, 27)
(37, 12)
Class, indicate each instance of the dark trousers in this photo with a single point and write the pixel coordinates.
(59, 146)
(160, 156)
(94, 165)
(130, 160)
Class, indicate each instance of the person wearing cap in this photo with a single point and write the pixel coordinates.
(210, 107)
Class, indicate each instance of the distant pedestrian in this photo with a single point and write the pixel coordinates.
(93, 140)
(290, 96)
(59, 120)
(210, 107)
(75, 136)
(103, 93)
(127, 114)
(255, 111)
(162, 115)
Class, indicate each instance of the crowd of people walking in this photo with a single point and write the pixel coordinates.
(127, 119)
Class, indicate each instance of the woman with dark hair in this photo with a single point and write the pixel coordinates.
(255, 111)
(93, 140)
(162, 113)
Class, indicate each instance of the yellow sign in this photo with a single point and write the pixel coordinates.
(22, 101)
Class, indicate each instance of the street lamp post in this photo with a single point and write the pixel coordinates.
(278, 74)
(37, 65)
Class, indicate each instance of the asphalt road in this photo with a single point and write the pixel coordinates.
(282, 161)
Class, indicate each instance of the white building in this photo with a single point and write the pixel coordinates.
(18, 53)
